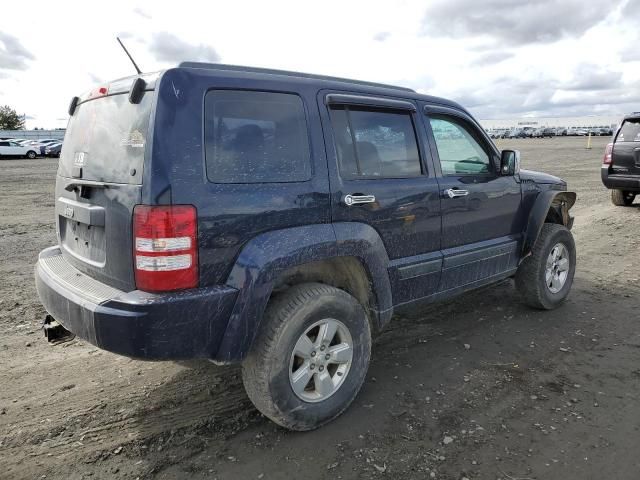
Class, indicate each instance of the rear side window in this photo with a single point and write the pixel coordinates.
(629, 132)
(375, 142)
(255, 137)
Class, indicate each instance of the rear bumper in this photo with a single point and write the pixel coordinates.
(178, 325)
(629, 183)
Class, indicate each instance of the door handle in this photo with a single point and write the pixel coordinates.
(358, 199)
(454, 192)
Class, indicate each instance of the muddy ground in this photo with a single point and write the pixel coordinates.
(537, 395)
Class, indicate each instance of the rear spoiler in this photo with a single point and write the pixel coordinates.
(134, 85)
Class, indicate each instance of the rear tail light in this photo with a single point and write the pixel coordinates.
(608, 154)
(165, 247)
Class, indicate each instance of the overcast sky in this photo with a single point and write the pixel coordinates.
(499, 58)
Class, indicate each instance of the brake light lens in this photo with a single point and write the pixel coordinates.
(99, 92)
(608, 154)
(165, 247)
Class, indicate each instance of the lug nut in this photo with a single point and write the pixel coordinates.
(327, 356)
(313, 365)
(322, 348)
(321, 368)
(313, 354)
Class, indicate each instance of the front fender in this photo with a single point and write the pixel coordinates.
(266, 256)
(559, 202)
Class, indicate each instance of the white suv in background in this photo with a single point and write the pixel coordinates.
(9, 148)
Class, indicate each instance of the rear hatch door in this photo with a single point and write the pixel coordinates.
(98, 184)
(626, 149)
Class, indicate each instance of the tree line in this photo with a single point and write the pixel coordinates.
(10, 120)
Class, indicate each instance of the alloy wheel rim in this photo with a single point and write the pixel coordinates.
(321, 360)
(557, 268)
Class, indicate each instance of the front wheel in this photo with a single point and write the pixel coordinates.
(310, 357)
(31, 154)
(545, 277)
(622, 198)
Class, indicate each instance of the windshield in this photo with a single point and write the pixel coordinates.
(106, 138)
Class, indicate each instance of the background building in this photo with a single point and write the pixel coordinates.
(553, 122)
(32, 134)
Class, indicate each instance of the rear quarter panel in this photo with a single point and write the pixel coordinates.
(229, 215)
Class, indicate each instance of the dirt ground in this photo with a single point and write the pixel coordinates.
(479, 388)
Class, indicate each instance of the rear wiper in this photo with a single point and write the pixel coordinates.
(71, 186)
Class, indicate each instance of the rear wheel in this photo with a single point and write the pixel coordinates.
(310, 357)
(31, 154)
(545, 277)
(622, 198)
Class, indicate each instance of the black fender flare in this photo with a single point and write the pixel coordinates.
(558, 201)
(266, 256)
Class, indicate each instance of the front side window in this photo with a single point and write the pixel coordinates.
(255, 137)
(460, 153)
(375, 142)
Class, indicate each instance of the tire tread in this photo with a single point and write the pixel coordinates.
(619, 199)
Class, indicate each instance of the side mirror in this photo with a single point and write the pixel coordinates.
(509, 162)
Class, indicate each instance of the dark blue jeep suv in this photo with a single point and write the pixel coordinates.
(279, 219)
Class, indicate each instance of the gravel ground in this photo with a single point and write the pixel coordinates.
(480, 387)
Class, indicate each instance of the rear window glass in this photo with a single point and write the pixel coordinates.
(629, 132)
(106, 138)
(255, 137)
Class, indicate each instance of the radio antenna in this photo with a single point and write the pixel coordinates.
(129, 55)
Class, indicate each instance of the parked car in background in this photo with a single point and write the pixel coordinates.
(605, 132)
(42, 144)
(518, 133)
(544, 132)
(14, 149)
(53, 150)
(620, 170)
(562, 132)
(41, 141)
(537, 133)
(580, 132)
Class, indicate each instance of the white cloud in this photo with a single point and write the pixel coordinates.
(13, 55)
(495, 71)
(167, 47)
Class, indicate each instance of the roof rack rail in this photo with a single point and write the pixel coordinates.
(272, 71)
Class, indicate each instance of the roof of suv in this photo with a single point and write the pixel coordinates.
(324, 80)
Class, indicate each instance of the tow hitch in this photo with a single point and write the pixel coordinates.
(54, 332)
